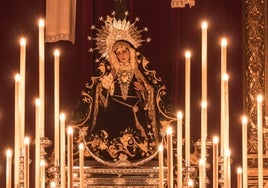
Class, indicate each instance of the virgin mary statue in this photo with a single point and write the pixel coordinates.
(124, 109)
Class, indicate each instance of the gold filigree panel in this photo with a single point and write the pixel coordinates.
(254, 63)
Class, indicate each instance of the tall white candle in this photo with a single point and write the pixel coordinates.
(223, 72)
(179, 150)
(8, 168)
(202, 175)
(226, 112)
(161, 166)
(203, 141)
(245, 150)
(260, 140)
(42, 173)
(70, 156)
(203, 129)
(26, 162)
(42, 76)
(226, 170)
(37, 143)
(17, 133)
(81, 164)
(62, 151)
(239, 177)
(187, 108)
(204, 27)
(56, 106)
(223, 56)
(169, 157)
(22, 89)
(215, 161)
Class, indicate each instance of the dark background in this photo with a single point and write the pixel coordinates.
(172, 32)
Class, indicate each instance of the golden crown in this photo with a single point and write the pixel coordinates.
(116, 29)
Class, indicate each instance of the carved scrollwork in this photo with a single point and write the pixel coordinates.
(254, 63)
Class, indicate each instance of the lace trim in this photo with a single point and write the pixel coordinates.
(182, 3)
(58, 37)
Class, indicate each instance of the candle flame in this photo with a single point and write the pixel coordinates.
(215, 140)
(81, 146)
(201, 162)
(187, 54)
(23, 41)
(239, 170)
(179, 115)
(17, 77)
(41, 23)
(259, 98)
(204, 104)
(53, 184)
(223, 42)
(225, 77)
(70, 130)
(204, 25)
(57, 52)
(169, 130)
(37, 102)
(9, 153)
(244, 120)
(62, 116)
(190, 183)
(42, 163)
(26, 140)
(160, 147)
(227, 153)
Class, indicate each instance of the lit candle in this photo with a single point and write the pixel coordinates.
(22, 90)
(37, 143)
(223, 72)
(215, 161)
(70, 157)
(42, 173)
(81, 164)
(179, 149)
(42, 76)
(204, 27)
(223, 56)
(8, 168)
(226, 112)
(169, 157)
(260, 140)
(187, 108)
(226, 170)
(62, 151)
(239, 179)
(161, 165)
(202, 175)
(245, 150)
(203, 129)
(26, 162)
(56, 106)
(17, 133)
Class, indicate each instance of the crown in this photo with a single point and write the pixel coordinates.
(113, 30)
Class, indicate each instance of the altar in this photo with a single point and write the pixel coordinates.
(134, 101)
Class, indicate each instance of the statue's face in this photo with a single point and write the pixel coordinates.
(122, 54)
